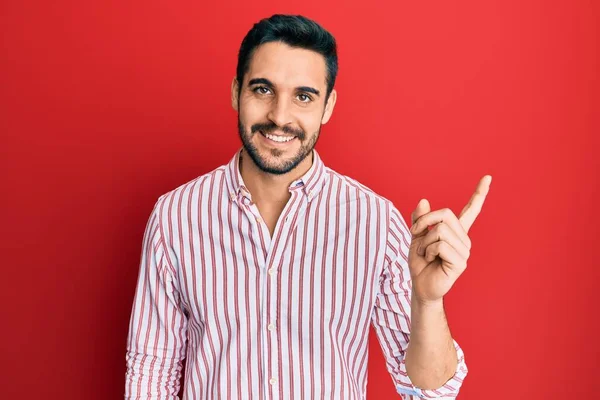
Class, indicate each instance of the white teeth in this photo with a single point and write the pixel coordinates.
(278, 138)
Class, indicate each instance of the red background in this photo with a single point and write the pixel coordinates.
(104, 107)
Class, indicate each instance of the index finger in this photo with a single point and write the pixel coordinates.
(473, 208)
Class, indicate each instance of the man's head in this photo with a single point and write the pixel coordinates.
(283, 90)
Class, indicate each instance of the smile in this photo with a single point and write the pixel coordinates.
(278, 139)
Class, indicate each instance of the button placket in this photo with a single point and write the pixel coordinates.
(261, 229)
(272, 332)
(276, 250)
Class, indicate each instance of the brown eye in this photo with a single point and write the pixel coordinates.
(261, 90)
(304, 98)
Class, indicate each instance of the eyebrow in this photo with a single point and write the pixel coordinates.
(267, 82)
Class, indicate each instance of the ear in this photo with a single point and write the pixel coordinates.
(329, 106)
(234, 94)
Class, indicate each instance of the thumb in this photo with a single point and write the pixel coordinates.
(423, 208)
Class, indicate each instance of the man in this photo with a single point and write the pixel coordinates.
(265, 273)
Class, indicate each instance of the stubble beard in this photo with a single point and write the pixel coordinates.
(284, 166)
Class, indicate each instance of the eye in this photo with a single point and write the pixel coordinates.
(261, 90)
(304, 98)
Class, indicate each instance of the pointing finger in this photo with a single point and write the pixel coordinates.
(473, 208)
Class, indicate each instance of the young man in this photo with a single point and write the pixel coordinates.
(266, 273)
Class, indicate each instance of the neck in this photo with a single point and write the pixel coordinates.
(270, 188)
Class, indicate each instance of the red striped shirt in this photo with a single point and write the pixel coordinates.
(261, 317)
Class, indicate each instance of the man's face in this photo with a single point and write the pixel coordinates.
(281, 105)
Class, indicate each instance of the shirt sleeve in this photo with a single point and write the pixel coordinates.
(391, 316)
(157, 330)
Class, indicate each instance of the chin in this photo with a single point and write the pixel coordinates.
(277, 164)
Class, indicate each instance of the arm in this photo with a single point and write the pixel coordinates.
(392, 322)
(431, 358)
(156, 342)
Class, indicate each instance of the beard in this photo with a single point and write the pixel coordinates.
(280, 166)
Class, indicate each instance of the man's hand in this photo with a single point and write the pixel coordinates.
(437, 257)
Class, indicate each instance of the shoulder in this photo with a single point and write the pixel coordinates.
(190, 191)
(357, 191)
(354, 189)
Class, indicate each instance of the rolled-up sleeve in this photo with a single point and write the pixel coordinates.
(156, 342)
(391, 317)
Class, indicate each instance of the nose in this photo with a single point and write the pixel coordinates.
(280, 112)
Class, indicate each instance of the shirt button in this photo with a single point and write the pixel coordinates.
(271, 327)
(232, 196)
(258, 219)
(272, 381)
(271, 271)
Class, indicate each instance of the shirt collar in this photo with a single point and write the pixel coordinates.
(310, 183)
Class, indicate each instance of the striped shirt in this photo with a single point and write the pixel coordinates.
(261, 317)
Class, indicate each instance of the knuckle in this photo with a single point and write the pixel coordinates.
(444, 227)
(429, 249)
(441, 231)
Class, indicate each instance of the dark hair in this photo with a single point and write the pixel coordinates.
(295, 31)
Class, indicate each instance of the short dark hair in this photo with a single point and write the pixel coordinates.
(295, 31)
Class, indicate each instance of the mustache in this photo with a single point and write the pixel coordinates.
(271, 127)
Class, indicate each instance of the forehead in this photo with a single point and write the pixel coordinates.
(287, 66)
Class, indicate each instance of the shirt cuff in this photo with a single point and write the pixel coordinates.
(447, 390)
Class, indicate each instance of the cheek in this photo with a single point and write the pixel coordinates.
(252, 112)
(310, 122)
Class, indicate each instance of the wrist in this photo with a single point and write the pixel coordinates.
(423, 304)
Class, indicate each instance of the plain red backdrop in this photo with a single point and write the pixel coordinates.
(104, 106)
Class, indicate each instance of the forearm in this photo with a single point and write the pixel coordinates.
(431, 358)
